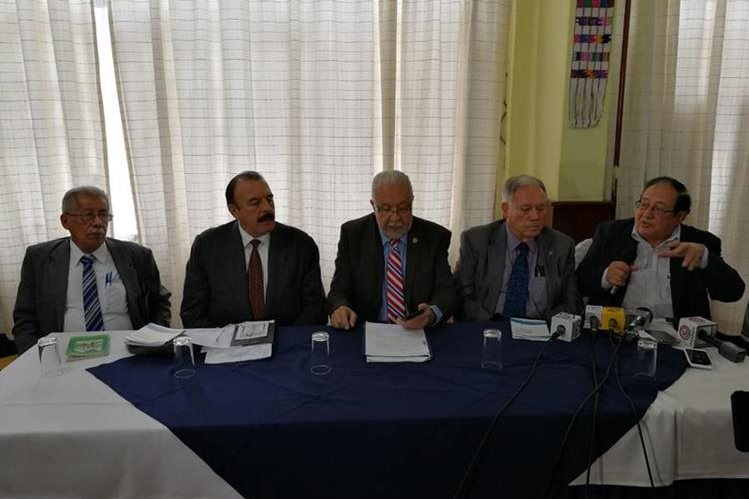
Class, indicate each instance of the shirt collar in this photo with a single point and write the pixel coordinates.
(386, 240)
(246, 238)
(675, 236)
(101, 253)
(513, 241)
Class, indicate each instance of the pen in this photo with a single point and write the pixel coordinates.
(108, 279)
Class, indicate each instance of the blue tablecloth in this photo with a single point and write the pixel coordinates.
(272, 429)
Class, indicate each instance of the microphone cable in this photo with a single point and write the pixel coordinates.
(591, 445)
(467, 479)
(634, 415)
(579, 409)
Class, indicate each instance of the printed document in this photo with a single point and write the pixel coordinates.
(393, 343)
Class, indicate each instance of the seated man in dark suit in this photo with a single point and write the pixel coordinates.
(253, 268)
(517, 267)
(87, 282)
(391, 264)
(656, 261)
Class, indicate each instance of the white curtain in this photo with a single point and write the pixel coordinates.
(686, 114)
(317, 95)
(51, 128)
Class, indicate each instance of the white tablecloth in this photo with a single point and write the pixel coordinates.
(71, 436)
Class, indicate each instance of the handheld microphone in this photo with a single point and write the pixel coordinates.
(730, 351)
(629, 254)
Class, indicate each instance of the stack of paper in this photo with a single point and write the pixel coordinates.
(152, 335)
(235, 342)
(393, 343)
(529, 329)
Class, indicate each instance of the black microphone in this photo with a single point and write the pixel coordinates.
(732, 352)
(628, 256)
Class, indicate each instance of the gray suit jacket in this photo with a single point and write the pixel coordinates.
(360, 269)
(216, 291)
(481, 267)
(42, 293)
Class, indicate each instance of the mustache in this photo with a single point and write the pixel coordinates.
(268, 217)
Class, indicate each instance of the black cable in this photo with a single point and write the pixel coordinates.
(634, 415)
(591, 445)
(490, 429)
(577, 413)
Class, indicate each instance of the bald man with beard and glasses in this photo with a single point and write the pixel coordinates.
(656, 261)
(87, 282)
(391, 264)
(252, 268)
(517, 267)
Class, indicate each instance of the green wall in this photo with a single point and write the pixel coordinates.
(540, 142)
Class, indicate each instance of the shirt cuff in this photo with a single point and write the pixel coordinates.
(437, 314)
(703, 262)
(605, 284)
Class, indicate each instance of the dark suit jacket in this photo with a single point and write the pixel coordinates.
(42, 293)
(689, 289)
(360, 269)
(480, 270)
(216, 289)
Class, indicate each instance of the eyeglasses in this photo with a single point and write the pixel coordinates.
(400, 210)
(657, 210)
(89, 217)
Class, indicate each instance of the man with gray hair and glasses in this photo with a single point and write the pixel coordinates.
(391, 266)
(517, 267)
(654, 260)
(87, 282)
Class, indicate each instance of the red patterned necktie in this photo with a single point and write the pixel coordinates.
(255, 277)
(396, 305)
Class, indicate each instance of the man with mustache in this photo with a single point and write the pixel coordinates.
(654, 260)
(517, 267)
(391, 266)
(87, 282)
(253, 268)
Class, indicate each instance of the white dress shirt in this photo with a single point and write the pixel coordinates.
(109, 286)
(262, 249)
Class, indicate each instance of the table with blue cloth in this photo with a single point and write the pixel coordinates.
(270, 428)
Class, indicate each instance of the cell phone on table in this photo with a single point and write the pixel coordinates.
(698, 358)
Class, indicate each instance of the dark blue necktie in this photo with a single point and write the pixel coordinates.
(91, 307)
(517, 288)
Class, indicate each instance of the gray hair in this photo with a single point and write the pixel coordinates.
(514, 183)
(70, 199)
(391, 177)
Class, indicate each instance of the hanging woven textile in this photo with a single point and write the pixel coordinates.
(590, 61)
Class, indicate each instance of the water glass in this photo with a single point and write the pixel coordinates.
(49, 357)
(491, 353)
(320, 353)
(647, 358)
(184, 360)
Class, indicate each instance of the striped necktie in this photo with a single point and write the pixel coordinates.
(91, 307)
(396, 305)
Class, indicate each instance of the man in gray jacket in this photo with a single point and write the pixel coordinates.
(87, 282)
(517, 267)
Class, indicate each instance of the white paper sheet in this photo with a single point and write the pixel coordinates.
(152, 335)
(394, 343)
(237, 354)
(529, 329)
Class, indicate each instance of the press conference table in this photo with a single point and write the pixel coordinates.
(74, 436)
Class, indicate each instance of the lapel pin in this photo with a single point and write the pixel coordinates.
(415, 240)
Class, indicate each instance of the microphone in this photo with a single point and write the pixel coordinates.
(565, 326)
(730, 351)
(628, 256)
